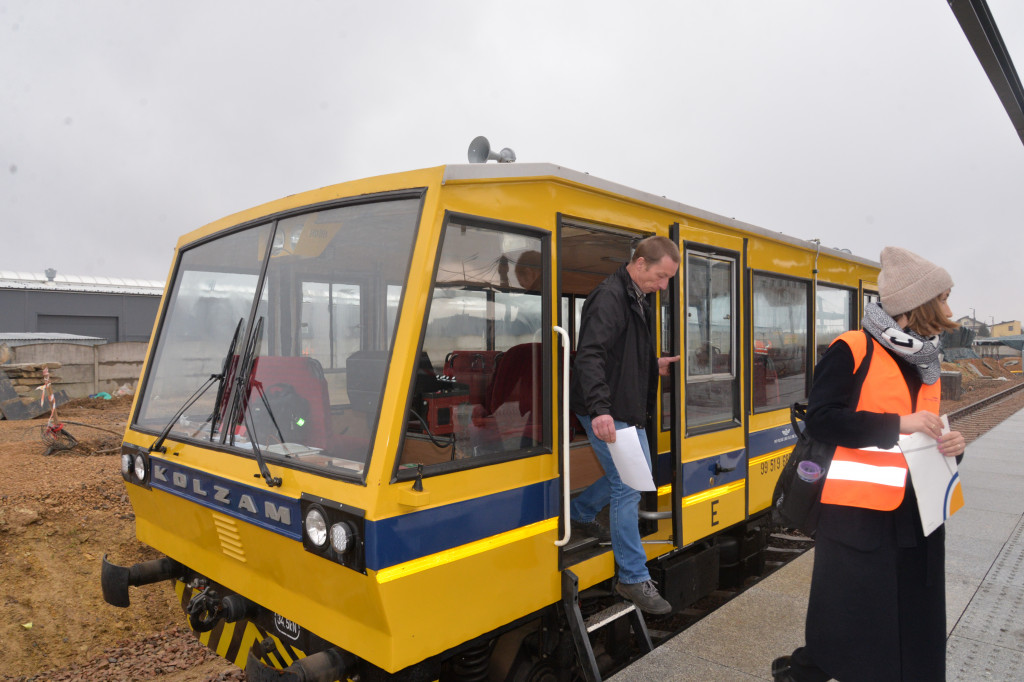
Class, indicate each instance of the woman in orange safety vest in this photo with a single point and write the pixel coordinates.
(877, 607)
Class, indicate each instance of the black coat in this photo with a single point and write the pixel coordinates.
(877, 608)
(616, 369)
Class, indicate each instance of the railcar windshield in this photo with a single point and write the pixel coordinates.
(314, 298)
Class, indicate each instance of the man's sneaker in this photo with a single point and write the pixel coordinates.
(645, 595)
(591, 529)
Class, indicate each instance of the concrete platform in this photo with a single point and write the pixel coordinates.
(984, 590)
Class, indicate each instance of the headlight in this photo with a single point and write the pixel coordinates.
(334, 531)
(140, 468)
(341, 537)
(135, 465)
(316, 527)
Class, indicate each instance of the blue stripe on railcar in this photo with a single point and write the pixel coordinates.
(770, 440)
(410, 536)
(261, 507)
(699, 475)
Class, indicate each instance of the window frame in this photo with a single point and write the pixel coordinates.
(406, 472)
(272, 222)
(851, 322)
(809, 333)
(734, 258)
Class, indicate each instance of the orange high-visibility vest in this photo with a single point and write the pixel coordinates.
(872, 478)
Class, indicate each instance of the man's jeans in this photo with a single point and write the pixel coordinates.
(625, 505)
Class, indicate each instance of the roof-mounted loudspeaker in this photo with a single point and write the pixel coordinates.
(480, 152)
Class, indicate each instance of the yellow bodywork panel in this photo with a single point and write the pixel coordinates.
(762, 474)
(713, 510)
(392, 618)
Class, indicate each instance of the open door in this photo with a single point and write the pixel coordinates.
(586, 255)
(713, 455)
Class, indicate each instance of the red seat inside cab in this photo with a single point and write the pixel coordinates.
(296, 390)
(475, 369)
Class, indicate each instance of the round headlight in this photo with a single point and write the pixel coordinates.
(316, 527)
(342, 537)
(140, 467)
(126, 465)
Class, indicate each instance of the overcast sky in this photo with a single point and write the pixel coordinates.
(859, 122)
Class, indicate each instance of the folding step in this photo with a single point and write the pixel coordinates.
(581, 628)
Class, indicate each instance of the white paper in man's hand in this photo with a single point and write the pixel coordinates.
(628, 455)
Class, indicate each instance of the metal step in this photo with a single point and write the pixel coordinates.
(581, 629)
(616, 610)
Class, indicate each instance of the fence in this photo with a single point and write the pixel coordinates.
(86, 370)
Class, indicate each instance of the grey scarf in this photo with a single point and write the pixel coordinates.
(919, 351)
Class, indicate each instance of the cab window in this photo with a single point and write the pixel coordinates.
(282, 332)
(477, 394)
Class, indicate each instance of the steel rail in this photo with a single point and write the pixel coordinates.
(983, 403)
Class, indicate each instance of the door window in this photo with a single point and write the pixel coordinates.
(711, 378)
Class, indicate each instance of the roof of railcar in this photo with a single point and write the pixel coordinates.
(511, 171)
(482, 172)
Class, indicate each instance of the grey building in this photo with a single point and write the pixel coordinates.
(109, 308)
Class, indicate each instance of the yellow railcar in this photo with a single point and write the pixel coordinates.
(351, 440)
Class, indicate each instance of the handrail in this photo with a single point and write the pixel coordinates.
(565, 438)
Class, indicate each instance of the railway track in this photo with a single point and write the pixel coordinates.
(982, 415)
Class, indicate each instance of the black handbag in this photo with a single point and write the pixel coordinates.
(796, 501)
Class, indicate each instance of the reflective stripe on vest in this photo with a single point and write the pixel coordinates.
(873, 478)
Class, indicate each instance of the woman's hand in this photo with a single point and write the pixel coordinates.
(952, 444)
(922, 422)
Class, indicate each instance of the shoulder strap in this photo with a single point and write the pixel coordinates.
(797, 412)
(861, 371)
(862, 346)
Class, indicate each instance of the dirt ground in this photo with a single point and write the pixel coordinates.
(59, 514)
(982, 377)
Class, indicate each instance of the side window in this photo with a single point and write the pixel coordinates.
(833, 314)
(711, 378)
(478, 392)
(781, 341)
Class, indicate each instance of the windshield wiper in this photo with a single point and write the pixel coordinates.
(224, 371)
(264, 470)
(244, 384)
(158, 444)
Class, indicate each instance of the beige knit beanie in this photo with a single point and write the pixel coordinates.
(907, 280)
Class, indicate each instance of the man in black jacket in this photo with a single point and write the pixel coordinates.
(614, 386)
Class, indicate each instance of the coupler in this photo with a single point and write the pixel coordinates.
(115, 579)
